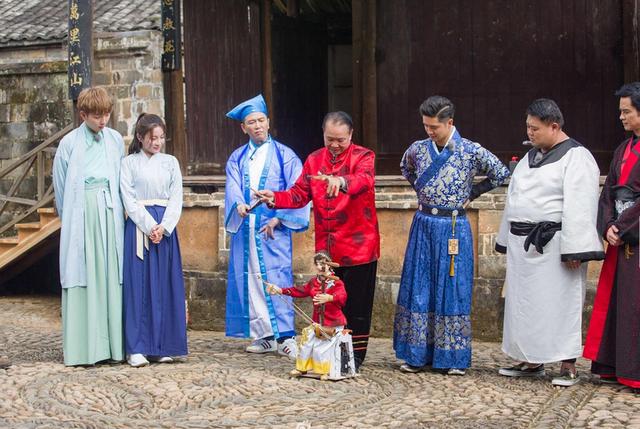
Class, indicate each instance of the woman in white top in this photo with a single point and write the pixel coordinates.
(154, 298)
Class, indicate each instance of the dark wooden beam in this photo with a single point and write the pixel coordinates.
(631, 39)
(173, 82)
(356, 49)
(80, 49)
(267, 61)
(364, 73)
(293, 8)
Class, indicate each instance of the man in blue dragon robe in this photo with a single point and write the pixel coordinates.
(432, 323)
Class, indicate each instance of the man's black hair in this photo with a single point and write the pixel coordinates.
(631, 90)
(547, 111)
(438, 107)
(339, 117)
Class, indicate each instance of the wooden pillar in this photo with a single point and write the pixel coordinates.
(267, 61)
(631, 39)
(173, 82)
(80, 50)
(365, 108)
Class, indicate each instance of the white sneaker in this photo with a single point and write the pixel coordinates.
(262, 346)
(160, 359)
(288, 348)
(137, 360)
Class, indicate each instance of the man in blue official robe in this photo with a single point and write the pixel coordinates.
(261, 245)
(433, 313)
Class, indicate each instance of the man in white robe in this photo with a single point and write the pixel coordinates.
(548, 232)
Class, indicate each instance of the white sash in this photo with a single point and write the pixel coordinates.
(141, 238)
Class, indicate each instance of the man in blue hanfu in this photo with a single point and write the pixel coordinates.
(260, 237)
(432, 323)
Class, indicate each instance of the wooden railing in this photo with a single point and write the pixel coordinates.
(36, 159)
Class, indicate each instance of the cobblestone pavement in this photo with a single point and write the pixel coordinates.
(221, 386)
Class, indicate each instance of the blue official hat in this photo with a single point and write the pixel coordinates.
(242, 110)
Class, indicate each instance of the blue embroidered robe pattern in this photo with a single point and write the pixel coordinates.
(432, 323)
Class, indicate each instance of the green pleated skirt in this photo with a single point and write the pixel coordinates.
(92, 316)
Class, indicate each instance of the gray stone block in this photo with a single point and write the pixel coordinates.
(15, 131)
(5, 149)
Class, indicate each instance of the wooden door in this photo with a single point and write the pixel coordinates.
(300, 82)
(223, 63)
(492, 58)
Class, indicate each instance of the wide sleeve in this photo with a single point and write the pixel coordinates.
(295, 219)
(504, 230)
(362, 179)
(174, 207)
(136, 212)
(233, 194)
(628, 224)
(299, 194)
(579, 238)
(606, 203)
(60, 163)
(408, 165)
(488, 164)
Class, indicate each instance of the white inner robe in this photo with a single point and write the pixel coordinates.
(259, 317)
(544, 298)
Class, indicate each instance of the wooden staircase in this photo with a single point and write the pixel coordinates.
(34, 240)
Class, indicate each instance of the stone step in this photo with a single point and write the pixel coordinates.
(27, 229)
(7, 244)
(47, 214)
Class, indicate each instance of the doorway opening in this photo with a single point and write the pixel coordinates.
(312, 70)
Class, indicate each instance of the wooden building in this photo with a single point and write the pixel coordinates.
(379, 59)
(376, 59)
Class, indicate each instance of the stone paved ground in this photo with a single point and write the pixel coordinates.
(221, 386)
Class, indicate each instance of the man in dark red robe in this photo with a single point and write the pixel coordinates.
(613, 339)
(340, 180)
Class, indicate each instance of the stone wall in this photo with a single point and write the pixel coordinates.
(34, 100)
(33, 106)
(128, 65)
(205, 247)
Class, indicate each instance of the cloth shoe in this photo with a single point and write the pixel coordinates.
(137, 360)
(262, 346)
(566, 379)
(456, 371)
(522, 370)
(288, 348)
(410, 369)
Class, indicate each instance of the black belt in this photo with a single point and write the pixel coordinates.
(538, 234)
(436, 211)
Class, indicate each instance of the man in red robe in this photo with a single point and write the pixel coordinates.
(613, 343)
(340, 180)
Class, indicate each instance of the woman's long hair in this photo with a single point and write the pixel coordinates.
(145, 124)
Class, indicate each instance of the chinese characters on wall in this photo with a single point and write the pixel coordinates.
(80, 41)
(171, 57)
